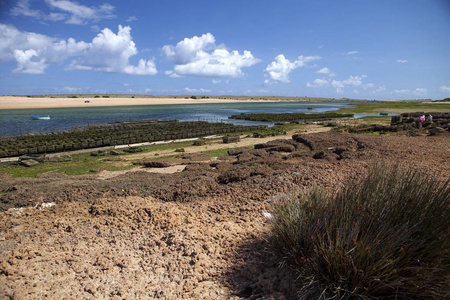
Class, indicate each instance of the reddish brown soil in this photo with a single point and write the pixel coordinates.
(196, 234)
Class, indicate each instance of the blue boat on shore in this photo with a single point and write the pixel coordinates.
(40, 118)
(383, 114)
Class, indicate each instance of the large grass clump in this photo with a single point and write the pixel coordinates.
(384, 236)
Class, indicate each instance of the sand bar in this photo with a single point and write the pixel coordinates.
(17, 102)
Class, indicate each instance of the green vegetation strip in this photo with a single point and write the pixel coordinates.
(289, 117)
(396, 107)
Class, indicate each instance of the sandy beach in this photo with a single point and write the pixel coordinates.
(18, 102)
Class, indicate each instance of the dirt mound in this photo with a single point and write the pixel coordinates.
(196, 234)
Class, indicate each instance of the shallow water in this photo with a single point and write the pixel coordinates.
(18, 121)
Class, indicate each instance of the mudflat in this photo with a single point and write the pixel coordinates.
(195, 234)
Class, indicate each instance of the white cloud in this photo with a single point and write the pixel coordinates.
(13, 39)
(22, 8)
(189, 90)
(188, 49)
(415, 92)
(145, 67)
(349, 53)
(69, 11)
(95, 28)
(29, 62)
(131, 19)
(108, 52)
(337, 84)
(326, 71)
(278, 70)
(318, 83)
(402, 61)
(216, 81)
(69, 89)
(445, 88)
(352, 80)
(380, 89)
(200, 56)
(172, 74)
(420, 91)
(401, 91)
(355, 81)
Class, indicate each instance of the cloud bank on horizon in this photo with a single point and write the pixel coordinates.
(55, 46)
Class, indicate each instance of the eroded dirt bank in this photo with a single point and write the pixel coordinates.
(196, 234)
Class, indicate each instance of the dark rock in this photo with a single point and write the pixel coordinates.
(222, 166)
(235, 175)
(319, 155)
(237, 151)
(260, 170)
(263, 146)
(282, 148)
(299, 139)
(436, 130)
(247, 157)
(154, 164)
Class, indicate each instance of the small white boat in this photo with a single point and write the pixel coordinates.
(40, 118)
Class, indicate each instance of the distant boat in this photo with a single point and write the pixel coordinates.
(40, 118)
(383, 114)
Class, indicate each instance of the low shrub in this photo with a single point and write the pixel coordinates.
(269, 131)
(198, 143)
(384, 236)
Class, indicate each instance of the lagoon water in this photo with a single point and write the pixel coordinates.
(18, 121)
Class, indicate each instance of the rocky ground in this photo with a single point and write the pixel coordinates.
(195, 234)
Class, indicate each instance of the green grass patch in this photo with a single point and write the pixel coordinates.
(217, 152)
(81, 164)
(396, 107)
(383, 236)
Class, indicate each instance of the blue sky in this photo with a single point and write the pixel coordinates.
(384, 49)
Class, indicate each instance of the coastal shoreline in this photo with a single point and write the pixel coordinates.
(19, 102)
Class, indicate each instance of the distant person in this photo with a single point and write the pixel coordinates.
(422, 119)
(430, 118)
